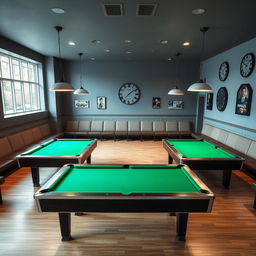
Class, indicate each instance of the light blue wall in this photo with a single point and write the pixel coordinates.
(243, 125)
(154, 79)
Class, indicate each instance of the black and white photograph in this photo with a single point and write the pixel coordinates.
(101, 102)
(156, 102)
(243, 100)
(82, 103)
(176, 104)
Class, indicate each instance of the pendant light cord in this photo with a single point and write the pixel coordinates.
(81, 80)
(61, 69)
(203, 30)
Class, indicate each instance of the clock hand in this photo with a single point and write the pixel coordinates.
(130, 93)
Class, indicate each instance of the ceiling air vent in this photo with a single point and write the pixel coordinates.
(146, 9)
(113, 9)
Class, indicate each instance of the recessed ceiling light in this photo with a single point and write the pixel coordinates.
(71, 43)
(128, 52)
(92, 58)
(128, 41)
(186, 43)
(58, 10)
(198, 11)
(169, 58)
(164, 41)
(96, 41)
(107, 50)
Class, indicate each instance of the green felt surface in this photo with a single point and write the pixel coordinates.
(153, 179)
(61, 147)
(199, 149)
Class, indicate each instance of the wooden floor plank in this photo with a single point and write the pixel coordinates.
(229, 230)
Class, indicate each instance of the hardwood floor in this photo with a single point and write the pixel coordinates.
(229, 230)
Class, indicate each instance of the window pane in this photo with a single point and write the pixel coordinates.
(16, 69)
(27, 96)
(24, 68)
(18, 96)
(32, 69)
(34, 97)
(5, 67)
(7, 97)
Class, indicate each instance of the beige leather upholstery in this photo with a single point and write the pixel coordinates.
(84, 126)
(222, 137)
(97, 126)
(146, 126)
(171, 126)
(109, 128)
(5, 147)
(238, 142)
(158, 126)
(207, 130)
(134, 126)
(252, 149)
(184, 126)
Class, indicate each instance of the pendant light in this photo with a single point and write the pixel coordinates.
(61, 85)
(81, 90)
(201, 86)
(176, 91)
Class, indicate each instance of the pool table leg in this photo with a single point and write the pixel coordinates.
(254, 204)
(226, 178)
(181, 226)
(88, 161)
(35, 176)
(170, 160)
(65, 226)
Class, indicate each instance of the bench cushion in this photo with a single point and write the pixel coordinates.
(5, 147)
(16, 141)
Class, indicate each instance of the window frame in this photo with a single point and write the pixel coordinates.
(33, 80)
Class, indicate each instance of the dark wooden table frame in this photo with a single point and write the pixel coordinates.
(37, 161)
(224, 164)
(180, 203)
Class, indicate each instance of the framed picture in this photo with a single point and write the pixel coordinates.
(101, 102)
(82, 103)
(176, 104)
(156, 102)
(209, 100)
(243, 100)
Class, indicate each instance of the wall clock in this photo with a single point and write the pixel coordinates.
(222, 99)
(223, 71)
(129, 93)
(247, 64)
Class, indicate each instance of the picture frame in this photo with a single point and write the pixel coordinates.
(209, 100)
(101, 102)
(176, 104)
(82, 104)
(243, 100)
(156, 102)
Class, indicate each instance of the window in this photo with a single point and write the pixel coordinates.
(20, 85)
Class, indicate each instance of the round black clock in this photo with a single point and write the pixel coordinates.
(129, 93)
(247, 64)
(222, 98)
(223, 71)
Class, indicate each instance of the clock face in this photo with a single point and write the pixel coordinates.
(222, 98)
(223, 71)
(247, 64)
(129, 93)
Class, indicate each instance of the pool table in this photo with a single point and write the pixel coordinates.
(254, 188)
(56, 153)
(203, 155)
(124, 188)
